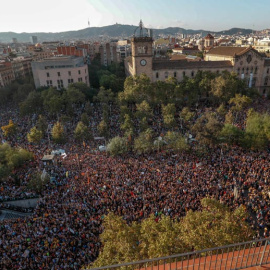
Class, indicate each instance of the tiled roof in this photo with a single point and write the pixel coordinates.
(184, 64)
(228, 51)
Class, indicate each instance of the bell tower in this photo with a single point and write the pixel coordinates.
(142, 52)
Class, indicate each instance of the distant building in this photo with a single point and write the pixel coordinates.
(33, 39)
(248, 63)
(108, 54)
(14, 40)
(72, 50)
(6, 75)
(60, 71)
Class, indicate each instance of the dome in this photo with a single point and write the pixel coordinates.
(38, 45)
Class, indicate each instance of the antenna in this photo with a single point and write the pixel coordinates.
(88, 23)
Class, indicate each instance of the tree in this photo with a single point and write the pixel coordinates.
(214, 226)
(257, 130)
(144, 142)
(229, 117)
(85, 119)
(221, 110)
(11, 158)
(128, 126)
(240, 102)
(53, 100)
(117, 146)
(175, 141)
(22, 92)
(35, 135)
(74, 96)
(119, 240)
(103, 129)
(168, 113)
(32, 104)
(58, 133)
(231, 134)
(143, 110)
(159, 237)
(9, 129)
(81, 132)
(42, 124)
(136, 89)
(207, 129)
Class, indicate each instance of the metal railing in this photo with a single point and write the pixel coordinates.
(230, 257)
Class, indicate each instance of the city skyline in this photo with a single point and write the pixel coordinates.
(60, 16)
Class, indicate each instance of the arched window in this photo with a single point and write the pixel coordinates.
(247, 70)
(256, 70)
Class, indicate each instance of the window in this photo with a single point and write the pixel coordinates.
(247, 70)
(157, 75)
(79, 79)
(175, 74)
(79, 72)
(85, 79)
(48, 74)
(69, 73)
(217, 71)
(70, 80)
(166, 75)
(58, 73)
(184, 73)
(265, 80)
(85, 71)
(256, 69)
(192, 73)
(267, 71)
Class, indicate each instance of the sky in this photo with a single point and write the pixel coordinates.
(65, 15)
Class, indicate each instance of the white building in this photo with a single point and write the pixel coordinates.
(60, 71)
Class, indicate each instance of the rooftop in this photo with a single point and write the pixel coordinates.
(185, 64)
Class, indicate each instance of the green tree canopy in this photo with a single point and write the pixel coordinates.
(117, 146)
(82, 132)
(58, 133)
(35, 135)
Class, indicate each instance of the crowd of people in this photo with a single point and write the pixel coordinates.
(63, 231)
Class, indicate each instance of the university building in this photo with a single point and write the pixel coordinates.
(60, 71)
(248, 63)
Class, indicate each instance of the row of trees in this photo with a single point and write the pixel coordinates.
(205, 86)
(160, 235)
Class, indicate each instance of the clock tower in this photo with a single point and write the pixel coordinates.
(142, 55)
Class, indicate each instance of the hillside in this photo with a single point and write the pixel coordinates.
(116, 30)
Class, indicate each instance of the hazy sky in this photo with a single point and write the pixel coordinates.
(64, 15)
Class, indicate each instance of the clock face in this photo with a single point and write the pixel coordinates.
(143, 62)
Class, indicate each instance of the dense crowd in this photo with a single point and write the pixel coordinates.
(63, 232)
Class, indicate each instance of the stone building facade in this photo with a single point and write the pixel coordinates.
(248, 63)
(59, 72)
